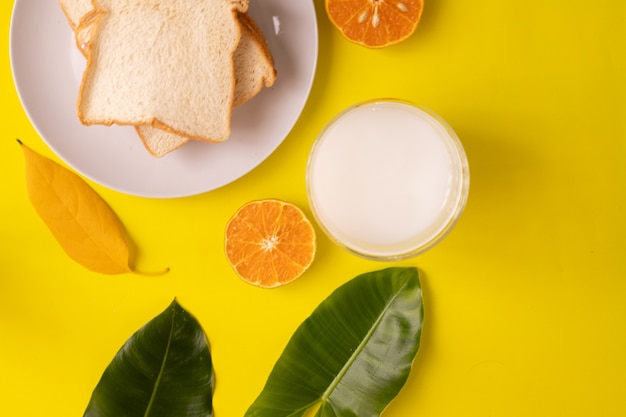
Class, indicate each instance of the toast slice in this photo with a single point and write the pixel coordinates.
(254, 69)
(154, 63)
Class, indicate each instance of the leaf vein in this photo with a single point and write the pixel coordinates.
(361, 347)
(162, 369)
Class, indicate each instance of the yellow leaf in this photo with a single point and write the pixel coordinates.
(81, 221)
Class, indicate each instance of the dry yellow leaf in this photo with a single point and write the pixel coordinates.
(82, 222)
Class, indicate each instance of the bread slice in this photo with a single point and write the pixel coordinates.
(164, 64)
(253, 64)
(254, 69)
(253, 60)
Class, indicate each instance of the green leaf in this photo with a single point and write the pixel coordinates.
(164, 369)
(353, 354)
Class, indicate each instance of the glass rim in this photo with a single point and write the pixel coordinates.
(461, 166)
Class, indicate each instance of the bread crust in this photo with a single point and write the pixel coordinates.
(74, 10)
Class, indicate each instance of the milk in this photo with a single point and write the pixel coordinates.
(387, 180)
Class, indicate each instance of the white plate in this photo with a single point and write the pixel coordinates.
(47, 68)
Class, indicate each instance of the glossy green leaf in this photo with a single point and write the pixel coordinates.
(164, 369)
(353, 354)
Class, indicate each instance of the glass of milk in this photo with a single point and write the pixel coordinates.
(387, 180)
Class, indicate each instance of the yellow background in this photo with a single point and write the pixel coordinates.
(525, 299)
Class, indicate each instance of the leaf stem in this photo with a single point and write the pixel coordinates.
(151, 274)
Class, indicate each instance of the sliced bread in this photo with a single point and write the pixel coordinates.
(164, 64)
(254, 69)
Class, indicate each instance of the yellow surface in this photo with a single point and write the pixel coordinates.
(525, 300)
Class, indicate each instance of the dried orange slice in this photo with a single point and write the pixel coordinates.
(375, 23)
(269, 243)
